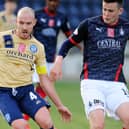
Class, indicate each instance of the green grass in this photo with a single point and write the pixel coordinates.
(70, 95)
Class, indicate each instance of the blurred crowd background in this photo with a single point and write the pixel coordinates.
(76, 11)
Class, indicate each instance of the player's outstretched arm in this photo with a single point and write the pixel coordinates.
(49, 88)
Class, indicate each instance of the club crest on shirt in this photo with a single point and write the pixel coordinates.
(121, 31)
(111, 32)
(58, 23)
(51, 23)
(33, 48)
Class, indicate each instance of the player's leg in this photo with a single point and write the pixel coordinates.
(122, 112)
(42, 94)
(44, 122)
(33, 105)
(39, 90)
(11, 112)
(94, 103)
(119, 104)
(96, 119)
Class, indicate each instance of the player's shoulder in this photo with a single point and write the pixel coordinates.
(8, 32)
(123, 20)
(1, 13)
(95, 19)
(37, 42)
(92, 19)
(39, 11)
(61, 14)
(5, 35)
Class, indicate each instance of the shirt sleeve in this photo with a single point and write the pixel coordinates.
(78, 35)
(41, 61)
(66, 28)
(81, 32)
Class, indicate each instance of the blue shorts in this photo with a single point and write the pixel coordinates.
(16, 101)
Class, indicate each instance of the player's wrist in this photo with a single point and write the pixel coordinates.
(59, 60)
(59, 106)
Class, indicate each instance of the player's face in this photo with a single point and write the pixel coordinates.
(111, 12)
(52, 5)
(10, 7)
(25, 24)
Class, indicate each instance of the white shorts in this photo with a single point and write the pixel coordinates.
(35, 77)
(105, 95)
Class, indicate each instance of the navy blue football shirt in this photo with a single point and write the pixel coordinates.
(47, 28)
(104, 47)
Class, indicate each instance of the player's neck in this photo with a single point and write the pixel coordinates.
(7, 13)
(50, 12)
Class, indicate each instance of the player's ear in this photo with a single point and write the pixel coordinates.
(35, 20)
(121, 10)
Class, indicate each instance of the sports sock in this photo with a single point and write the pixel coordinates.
(27, 127)
(50, 128)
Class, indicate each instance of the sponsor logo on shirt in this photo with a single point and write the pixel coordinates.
(16, 54)
(109, 43)
(43, 20)
(99, 29)
(49, 32)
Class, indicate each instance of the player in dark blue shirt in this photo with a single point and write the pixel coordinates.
(102, 81)
(49, 22)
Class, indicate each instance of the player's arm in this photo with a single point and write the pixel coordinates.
(66, 28)
(49, 88)
(78, 35)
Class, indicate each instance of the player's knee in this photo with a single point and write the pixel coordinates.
(43, 118)
(46, 124)
(20, 124)
(97, 119)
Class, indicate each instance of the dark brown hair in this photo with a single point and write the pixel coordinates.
(15, 1)
(120, 2)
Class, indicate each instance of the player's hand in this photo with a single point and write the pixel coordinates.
(56, 71)
(65, 113)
